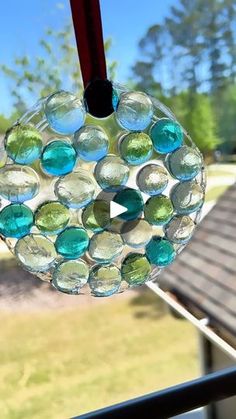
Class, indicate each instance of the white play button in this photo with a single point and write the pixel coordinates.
(116, 209)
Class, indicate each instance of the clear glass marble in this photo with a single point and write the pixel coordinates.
(65, 113)
(105, 246)
(184, 163)
(187, 197)
(136, 148)
(180, 229)
(75, 190)
(134, 111)
(18, 183)
(136, 233)
(135, 269)
(152, 179)
(23, 143)
(70, 276)
(111, 173)
(104, 280)
(91, 143)
(35, 252)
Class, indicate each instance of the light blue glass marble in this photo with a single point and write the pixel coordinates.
(58, 158)
(166, 135)
(134, 111)
(16, 220)
(65, 113)
(18, 183)
(160, 251)
(187, 197)
(91, 143)
(104, 280)
(132, 200)
(184, 163)
(72, 242)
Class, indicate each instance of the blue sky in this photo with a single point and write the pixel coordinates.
(23, 23)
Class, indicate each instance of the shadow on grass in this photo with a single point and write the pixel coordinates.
(147, 304)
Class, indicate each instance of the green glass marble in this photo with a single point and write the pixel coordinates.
(58, 158)
(160, 251)
(132, 200)
(135, 269)
(70, 276)
(16, 220)
(23, 144)
(158, 210)
(72, 242)
(3, 154)
(104, 280)
(96, 216)
(52, 217)
(36, 252)
(166, 135)
(136, 148)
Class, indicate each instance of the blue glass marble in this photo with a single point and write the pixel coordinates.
(132, 200)
(134, 111)
(72, 242)
(166, 135)
(184, 163)
(65, 113)
(91, 143)
(160, 251)
(58, 158)
(16, 220)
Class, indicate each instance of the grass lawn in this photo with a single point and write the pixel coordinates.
(57, 364)
(215, 192)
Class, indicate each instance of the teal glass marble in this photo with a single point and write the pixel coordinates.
(111, 173)
(16, 220)
(23, 144)
(132, 200)
(65, 113)
(160, 251)
(187, 197)
(166, 135)
(72, 242)
(58, 158)
(70, 276)
(136, 148)
(134, 111)
(135, 269)
(152, 179)
(184, 163)
(18, 183)
(104, 280)
(91, 143)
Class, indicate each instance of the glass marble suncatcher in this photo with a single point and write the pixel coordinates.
(60, 168)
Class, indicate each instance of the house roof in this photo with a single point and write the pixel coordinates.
(204, 274)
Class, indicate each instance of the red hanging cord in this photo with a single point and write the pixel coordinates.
(87, 22)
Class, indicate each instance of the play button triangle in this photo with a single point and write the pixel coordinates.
(116, 209)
